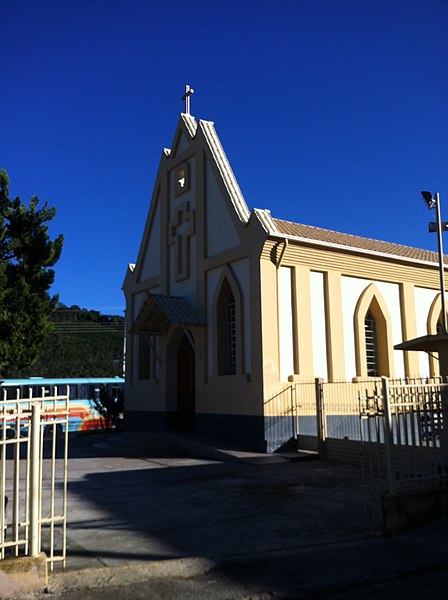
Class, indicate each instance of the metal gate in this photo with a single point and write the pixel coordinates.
(33, 473)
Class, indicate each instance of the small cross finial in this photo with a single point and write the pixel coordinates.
(186, 98)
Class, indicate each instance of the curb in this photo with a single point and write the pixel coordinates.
(85, 579)
(138, 445)
(23, 575)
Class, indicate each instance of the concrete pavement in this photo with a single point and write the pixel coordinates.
(187, 518)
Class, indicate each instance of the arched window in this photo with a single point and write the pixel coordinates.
(434, 326)
(371, 345)
(228, 326)
(148, 350)
(227, 336)
(434, 320)
(231, 333)
(373, 335)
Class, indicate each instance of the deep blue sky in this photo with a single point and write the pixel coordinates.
(332, 113)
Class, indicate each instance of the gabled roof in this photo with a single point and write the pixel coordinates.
(207, 128)
(159, 311)
(309, 234)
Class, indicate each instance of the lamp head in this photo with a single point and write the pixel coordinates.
(430, 201)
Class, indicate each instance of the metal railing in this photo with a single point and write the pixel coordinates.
(396, 430)
(33, 475)
(331, 413)
(280, 418)
(406, 420)
(314, 413)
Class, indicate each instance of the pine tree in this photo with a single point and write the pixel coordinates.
(26, 256)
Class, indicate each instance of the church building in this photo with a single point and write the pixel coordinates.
(226, 306)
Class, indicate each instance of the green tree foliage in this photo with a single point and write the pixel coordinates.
(83, 343)
(27, 255)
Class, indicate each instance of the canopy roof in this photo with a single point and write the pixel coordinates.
(427, 343)
(159, 311)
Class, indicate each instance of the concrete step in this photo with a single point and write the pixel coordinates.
(296, 455)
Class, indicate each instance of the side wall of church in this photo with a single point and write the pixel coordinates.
(312, 313)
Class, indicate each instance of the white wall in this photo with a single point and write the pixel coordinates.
(242, 274)
(318, 324)
(137, 300)
(423, 300)
(221, 232)
(285, 323)
(183, 145)
(151, 260)
(186, 287)
(211, 285)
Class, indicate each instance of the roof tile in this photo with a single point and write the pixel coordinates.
(309, 232)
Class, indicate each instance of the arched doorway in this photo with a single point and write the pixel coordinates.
(186, 386)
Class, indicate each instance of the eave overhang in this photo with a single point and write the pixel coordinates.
(354, 250)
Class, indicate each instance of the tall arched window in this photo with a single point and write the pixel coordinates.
(371, 345)
(226, 330)
(373, 335)
(434, 326)
(231, 333)
(228, 326)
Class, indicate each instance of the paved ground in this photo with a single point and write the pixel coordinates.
(192, 520)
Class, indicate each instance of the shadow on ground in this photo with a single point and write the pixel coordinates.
(259, 523)
(154, 507)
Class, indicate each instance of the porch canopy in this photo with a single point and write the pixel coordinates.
(159, 311)
(430, 343)
(426, 343)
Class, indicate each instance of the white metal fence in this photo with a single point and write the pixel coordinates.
(318, 415)
(396, 430)
(406, 424)
(33, 474)
(340, 418)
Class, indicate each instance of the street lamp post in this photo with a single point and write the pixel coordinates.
(434, 202)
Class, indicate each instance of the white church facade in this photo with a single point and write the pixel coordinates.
(226, 306)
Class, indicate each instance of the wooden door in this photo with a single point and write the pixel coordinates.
(186, 388)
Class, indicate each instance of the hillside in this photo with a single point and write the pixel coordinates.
(84, 343)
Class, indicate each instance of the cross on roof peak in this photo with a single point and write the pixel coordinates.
(186, 98)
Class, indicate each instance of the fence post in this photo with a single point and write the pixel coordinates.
(320, 415)
(35, 478)
(295, 412)
(388, 437)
